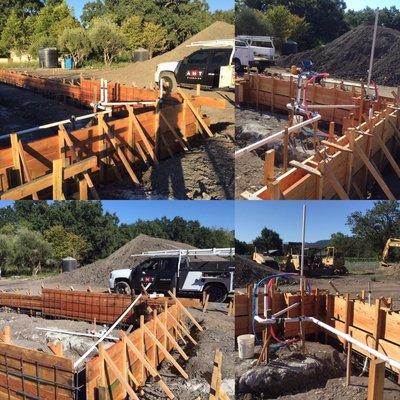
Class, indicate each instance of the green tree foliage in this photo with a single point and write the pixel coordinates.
(92, 10)
(227, 16)
(76, 43)
(15, 35)
(132, 28)
(346, 244)
(106, 39)
(373, 228)
(283, 24)
(6, 246)
(243, 248)
(388, 17)
(66, 244)
(154, 37)
(250, 22)
(268, 240)
(31, 251)
(48, 25)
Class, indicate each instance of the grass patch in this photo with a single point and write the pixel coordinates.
(362, 267)
(15, 65)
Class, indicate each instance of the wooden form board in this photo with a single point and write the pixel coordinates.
(23, 301)
(124, 359)
(298, 184)
(105, 308)
(40, 154)
(86, 92)
(25, 372)
(87, 306)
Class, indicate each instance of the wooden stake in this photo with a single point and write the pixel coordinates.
(348, 362)
(376, 380)
(199, 327)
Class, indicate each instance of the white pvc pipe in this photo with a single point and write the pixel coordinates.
(105, 334)
(54, 124)
(129, 103)
(90, 335)
(371, 60)
(332, 106)
(345, 336)
(275, 136)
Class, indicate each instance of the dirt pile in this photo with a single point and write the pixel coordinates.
(348, 56)
(98, 272)
(141, 73)
(290, 371)
(247, 271)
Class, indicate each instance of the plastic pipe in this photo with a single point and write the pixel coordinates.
(345, 336)
(275, 136)
(107, 333)
(371, 60)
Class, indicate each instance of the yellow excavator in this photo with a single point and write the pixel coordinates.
(392, 242)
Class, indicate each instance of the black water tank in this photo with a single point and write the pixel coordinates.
(48, 58)
(289, 47)
(68, 264)
(140, 55)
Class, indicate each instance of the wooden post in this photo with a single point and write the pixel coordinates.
(142, 349)
(378, 322)
(348, 362)
(376, 380)
(285, 148)
(350, 159)
(15, 156)
(269, 166)
(57, 176)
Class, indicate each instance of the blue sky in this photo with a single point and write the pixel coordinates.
(214, 5)
(285, 217)
(360, 4)
(218, 214)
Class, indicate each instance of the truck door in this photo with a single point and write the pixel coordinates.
(167, 275)
(219, 58)
(193, 68)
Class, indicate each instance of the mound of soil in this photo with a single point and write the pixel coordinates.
(248, 271)
(348, 56)
(98, 272)
(141, 73)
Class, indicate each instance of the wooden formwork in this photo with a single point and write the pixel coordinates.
(69, 163)
(375, 325)
(32, 374)
(84, 92)
(341, 165)
(103, 308)
(117, 371)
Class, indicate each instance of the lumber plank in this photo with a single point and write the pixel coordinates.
(305, 168)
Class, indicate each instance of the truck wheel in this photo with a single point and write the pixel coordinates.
(169, 81)
(123, 288)
(217, 293)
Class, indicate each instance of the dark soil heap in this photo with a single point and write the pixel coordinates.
(98, 272)
(348, 56)
(248, 271)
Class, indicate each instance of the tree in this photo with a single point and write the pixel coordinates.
(348, 245)
(48, 25)
(227, 16)
(76, 43)
(92, 10)
(283, 24)
(14, 36)
(243, 247)
(132, 28)
(250, 22)
(31, 251)
(154, 37)
(5, 252)
(376, 226)
(107, 39)
(268, 240)
(66, 244)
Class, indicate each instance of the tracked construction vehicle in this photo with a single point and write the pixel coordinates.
(391, 243)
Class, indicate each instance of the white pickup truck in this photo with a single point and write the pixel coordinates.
(212, 65)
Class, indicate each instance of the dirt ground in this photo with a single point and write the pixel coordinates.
(21, 109)
(218, 333)
(316, 375)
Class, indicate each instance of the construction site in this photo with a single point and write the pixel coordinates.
(307, 131)
(112, 134)
(81, 341)
(316, 330)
